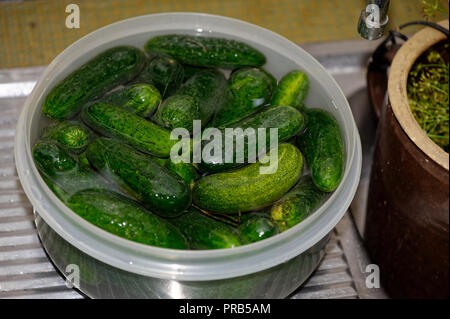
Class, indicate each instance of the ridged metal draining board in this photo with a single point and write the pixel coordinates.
(26, 271)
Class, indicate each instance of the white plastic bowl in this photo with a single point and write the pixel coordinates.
(111, 266)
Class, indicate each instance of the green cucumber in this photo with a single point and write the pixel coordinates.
(207, 88)
(189, 71)
(104, 72)
(160, 161)
(185, 171)
(165, 73)
(247, 189)
(206, 51)
(248, 90)
(286, 119)
(64, 173)
(83, 161)
(177, 111)
(291, 90)
(138, 175)
(113, 121)
(125, 218)
(203, 232)
(71, 135)
(297, 204)
(322, 144)
(138, 98)
(197, 99)
(52, 159)
(255, 227)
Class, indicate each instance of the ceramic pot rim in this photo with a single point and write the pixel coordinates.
(397, 88)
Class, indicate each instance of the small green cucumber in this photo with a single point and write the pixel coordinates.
(160, 161)
(113, 121)
(185, 171)
(64, 173)
(255, 227)
(203, 232)
(83, 161)
(189, 71)
(286, 119)
(246, 189)
(248, 90)
(206, 51)
(291, 90)
(322, 145)
(178, 111)
(207, 88)
(140, 176)
(197, 99)
(52, 159)
(125, 218)
(138, 98)
(70, 135)
(104, 72)
(165, 73)
(297, 204)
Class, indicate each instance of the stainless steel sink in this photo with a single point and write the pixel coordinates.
(26, 272)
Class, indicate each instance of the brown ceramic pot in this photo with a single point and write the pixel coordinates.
(407, 225)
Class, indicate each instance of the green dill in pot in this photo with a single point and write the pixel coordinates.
(428, 91)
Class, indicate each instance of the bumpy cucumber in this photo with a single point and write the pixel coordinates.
(140, 176)
(297, 204)
(286, 119)
(83, 161)
(139, 98)
(206, 51)
(197, 99)
(107, 70)
(189, 71)
(185, 171)
(165, 73)
(52, 159)
(291, 90)
(113, 121)
(71, 135)
(178, 111)
(123, 217)
(63, 172)
(248, 90)
(203, 232)
(322, 144)
(255, 227)
(161, 161)
(207, 88)
(247, 189)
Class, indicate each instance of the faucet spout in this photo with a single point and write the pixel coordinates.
(373, 19)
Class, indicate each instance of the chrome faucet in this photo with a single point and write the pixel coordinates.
(373, 19)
